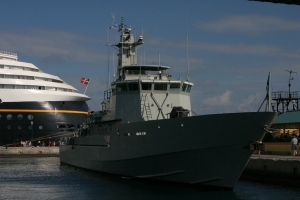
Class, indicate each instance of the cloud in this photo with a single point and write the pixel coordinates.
(52, 45)
(172, 47)
(249, 103)
(249, 23)
(221, 100)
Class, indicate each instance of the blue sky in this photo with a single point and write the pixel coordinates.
(233, 44)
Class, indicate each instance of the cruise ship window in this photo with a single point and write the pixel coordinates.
(40, 127)
(31, 87)
(184, 87)
(30, 117)
(174, 86)
(9, 86)
(1, 76)
(9, 117)
(2, 66)
(146, 86)
(30, 127)
(19, 127)
(9, 76)
(160, 86)
(20, 87)
(20, 117)
(29, 77)
(8, 127)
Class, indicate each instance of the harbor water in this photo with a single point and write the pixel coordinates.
(45, 178)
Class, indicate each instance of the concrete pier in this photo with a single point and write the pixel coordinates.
(278, 169)
(28, 151)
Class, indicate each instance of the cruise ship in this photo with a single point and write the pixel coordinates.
(35, 105)
(146, 129)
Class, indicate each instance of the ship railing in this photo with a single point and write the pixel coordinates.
(107, 94)
(179, 114)
(285, 95)
(8, 53)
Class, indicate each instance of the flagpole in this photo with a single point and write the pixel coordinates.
(87, 86)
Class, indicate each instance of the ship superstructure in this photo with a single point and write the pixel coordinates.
(34, 104)
(149, 88)
(146, 130)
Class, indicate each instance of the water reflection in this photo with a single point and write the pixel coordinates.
(45, 178)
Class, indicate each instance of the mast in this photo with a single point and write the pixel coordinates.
(127, 48)
(291, 78)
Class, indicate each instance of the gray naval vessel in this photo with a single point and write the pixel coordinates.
(146, 129)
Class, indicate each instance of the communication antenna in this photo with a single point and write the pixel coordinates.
(108, 57)
(187, 48)
(290, 79)
(114, 66)
(116, 27)
(158, 58)
(108, 49)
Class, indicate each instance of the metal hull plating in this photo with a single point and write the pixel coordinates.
(210, 150)
(48, 119)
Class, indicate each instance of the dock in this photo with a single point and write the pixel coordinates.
(275, 169)
(28, 151)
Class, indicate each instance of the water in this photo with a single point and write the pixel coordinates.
(45, 178)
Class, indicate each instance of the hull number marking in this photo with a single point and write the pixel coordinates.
(140, 133)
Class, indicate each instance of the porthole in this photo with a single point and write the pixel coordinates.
(20, 117)
(9, 117)
(30, 117)
(19, 127)
(8, 127)
(29, 127)
(40, 127)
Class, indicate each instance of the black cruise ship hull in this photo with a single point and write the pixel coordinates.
(39, 120)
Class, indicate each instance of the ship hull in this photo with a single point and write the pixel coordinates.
(210, 150)
(49, 119)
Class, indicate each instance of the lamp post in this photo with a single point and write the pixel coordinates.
(31, 132)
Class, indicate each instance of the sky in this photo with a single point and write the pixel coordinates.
(228, 47)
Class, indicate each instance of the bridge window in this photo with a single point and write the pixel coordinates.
(174, 86)
(121, 87)
(160, 86)
(184, 86)
(146, 86)
(133, 86)
(189, 87)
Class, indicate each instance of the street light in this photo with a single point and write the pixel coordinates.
(31, 131)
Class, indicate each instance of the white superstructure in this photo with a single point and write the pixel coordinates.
(21, 82)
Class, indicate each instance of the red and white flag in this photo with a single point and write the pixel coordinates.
(85, 81)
